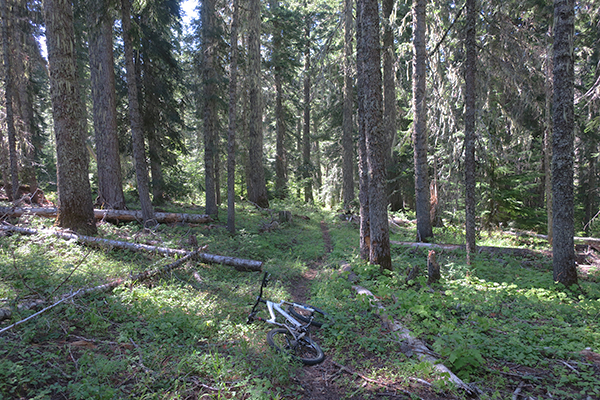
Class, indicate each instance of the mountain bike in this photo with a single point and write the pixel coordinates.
(292, 336)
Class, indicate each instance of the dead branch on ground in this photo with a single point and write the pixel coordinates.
(374, 381)
(240, 264)
(120, 215)
(403, 335)
(99, 289)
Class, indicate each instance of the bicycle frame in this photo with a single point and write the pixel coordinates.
(277, 307)
(291, 336)
(272, 307)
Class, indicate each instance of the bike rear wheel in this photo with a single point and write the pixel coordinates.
(305, 349)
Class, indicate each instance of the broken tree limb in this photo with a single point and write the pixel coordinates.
(32, 316)
(512, 251)
(585, 240)
(377, 382)
(121, 215)
(240, 264)
(6, 313)
(405, 336)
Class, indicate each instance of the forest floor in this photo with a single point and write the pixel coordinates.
(500, 324)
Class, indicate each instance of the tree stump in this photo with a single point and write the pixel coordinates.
(411, 274)
(285, 216)
(433, 268)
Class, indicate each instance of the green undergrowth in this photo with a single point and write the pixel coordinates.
(496, 323)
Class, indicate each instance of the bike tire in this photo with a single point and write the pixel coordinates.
(306, 350)
(318, 315)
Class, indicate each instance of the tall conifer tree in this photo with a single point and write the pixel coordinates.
(563, 246)
(75, 210)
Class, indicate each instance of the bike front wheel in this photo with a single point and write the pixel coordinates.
(304, 349)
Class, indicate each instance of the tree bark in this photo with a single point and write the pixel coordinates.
(155, 152)
(389, 79)
(348, 124)
(102, 75)
(280, 125)
(75, 209)
(135, 117)
(548, 141)
(363, 164)
(9, 80)
(377, 142)
(210, 103)
(257, 189)
(470, 82)
(26, 46)
(563, 249)
(422, 195)
(233, 71)
(307, 165)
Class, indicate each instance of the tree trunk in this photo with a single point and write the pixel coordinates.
(135, 117)
(317, 157)
(563, 248)
(589, 184)
(422, 196)
(155, 151)
(307, 165)
(348, 125)
(257, 188)
(280, 156)
(389, 79)
(548, 141)
(26, 45)
(280, 126)
(470, 81)
(9, 80)
(210, 103)
(232, 125)
(102, 75)
(363, 165)
(377, 143)
(75, 210)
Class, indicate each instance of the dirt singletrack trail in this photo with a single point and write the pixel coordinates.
(316, 380)
(300, 287)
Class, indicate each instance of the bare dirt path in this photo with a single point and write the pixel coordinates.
(320, 382)
(316, 380)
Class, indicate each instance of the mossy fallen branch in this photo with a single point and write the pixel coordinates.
(110, 215)
(239, 264)
(7, 313)
(510, 251)
(405, 336)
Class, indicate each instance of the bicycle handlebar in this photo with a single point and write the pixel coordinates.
(263, 284)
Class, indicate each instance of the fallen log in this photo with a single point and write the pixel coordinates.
(6, 313)
(120, 215)
(512, 251)
(404, 336)
(239, 264)
(585, 240)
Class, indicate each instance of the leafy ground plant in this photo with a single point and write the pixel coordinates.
(501, 323)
